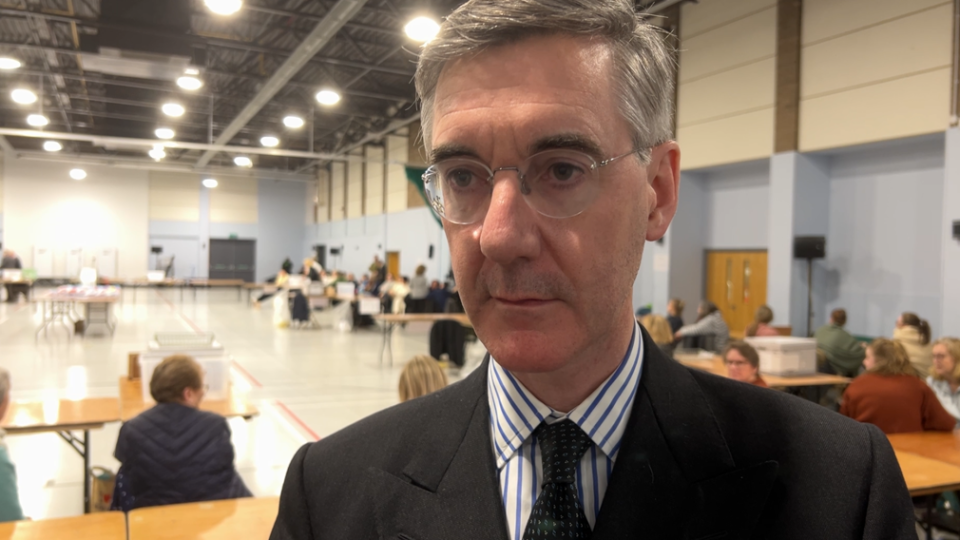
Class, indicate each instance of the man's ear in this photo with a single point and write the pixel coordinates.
(663, 174)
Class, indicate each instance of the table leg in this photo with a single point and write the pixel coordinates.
(86, 471)
(383, 346)
(82, 447)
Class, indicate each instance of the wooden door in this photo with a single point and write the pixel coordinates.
(737, 284)
(393, 263)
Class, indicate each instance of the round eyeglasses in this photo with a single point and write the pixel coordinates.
(555, 183)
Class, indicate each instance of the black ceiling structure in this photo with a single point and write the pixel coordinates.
(105, 67)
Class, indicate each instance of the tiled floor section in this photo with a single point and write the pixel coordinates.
(306, 383)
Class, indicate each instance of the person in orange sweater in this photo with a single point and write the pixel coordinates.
(743, 363)
(891, 396)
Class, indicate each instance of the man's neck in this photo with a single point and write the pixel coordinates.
(566, 388)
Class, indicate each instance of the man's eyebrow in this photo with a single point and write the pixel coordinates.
(567, 141)
(452, 150)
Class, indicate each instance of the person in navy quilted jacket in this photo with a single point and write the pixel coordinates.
(173, 452)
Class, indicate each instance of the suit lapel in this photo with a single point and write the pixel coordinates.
(449, 488)
(674, 476)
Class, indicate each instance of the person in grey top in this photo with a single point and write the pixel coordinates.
(709, 323)
(419, 289)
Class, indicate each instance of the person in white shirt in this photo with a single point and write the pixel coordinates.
(944, 376)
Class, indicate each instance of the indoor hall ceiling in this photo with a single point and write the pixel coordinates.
(105, 67)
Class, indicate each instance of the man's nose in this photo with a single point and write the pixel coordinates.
(510, 228)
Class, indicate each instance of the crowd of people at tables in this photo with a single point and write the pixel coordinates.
(905, 383)
(398, 294)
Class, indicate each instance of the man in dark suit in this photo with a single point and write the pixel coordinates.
(548, 126)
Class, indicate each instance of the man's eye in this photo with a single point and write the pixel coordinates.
(460, 177)
(563, 171)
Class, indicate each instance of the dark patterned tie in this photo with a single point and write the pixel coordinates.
(558, 513)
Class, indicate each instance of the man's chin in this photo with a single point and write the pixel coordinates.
(527, 351)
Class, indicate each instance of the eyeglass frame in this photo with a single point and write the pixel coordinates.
(437, 206)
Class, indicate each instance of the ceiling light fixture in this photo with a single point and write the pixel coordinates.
(293, 121)
(210, 183)
(165, 133)
(157, 153)
(328, 97)
(52, 146)
(189, 82)
(37, 120)
(224, 7)
(9, 63)
(173, 109)
(78, 174)
(422, 29)
(23, 96)
(269, 141)
(242, 161)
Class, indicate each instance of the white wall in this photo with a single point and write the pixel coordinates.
(737, 202)
(280, 230)
(685, 239)
(43, 206)
(410, 232)
(884, 244)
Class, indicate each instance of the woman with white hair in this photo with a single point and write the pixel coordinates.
(9, 499)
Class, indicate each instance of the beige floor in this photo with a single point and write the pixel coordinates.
(306, 383)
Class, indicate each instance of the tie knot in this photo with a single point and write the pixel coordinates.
(562, 445)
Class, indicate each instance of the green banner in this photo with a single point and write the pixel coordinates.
(415, 176)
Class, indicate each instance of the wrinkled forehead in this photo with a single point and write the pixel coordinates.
(542, 80)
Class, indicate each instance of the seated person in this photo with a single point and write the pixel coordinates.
(944, 376)
(760, 327)
(172, 452)
(9, 499)
(437, 297)
(743, 363)
(659, 330)
(914, 334)
(843, 351)
(891, 396)
(421, 376)
(279, 280)
(710, 324)
(675, 314)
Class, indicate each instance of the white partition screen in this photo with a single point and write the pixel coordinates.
(43, 261)
(74, 262)
(106, 262)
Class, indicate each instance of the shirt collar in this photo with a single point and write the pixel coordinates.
(515, 412)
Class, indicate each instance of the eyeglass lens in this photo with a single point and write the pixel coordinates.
(556, 183)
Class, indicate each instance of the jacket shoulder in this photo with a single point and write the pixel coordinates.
(388, 438)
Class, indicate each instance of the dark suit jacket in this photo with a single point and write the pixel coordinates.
(702, 457)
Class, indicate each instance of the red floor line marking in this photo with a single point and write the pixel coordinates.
(246, 374)
(297, 419)
(181, 315)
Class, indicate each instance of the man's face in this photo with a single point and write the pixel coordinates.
(542, 291)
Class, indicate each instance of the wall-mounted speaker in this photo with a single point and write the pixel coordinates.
(809, 247)
(956, 230)
(430, 253)
(334, 251)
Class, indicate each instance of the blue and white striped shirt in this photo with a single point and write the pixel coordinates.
(515, 413)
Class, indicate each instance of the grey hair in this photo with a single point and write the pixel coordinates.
(643, 63)
(4, 383)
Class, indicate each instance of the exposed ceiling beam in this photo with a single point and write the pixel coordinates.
(150, 165)
(339, 14)
(197, 40)
(6, 146)
(128, 142)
